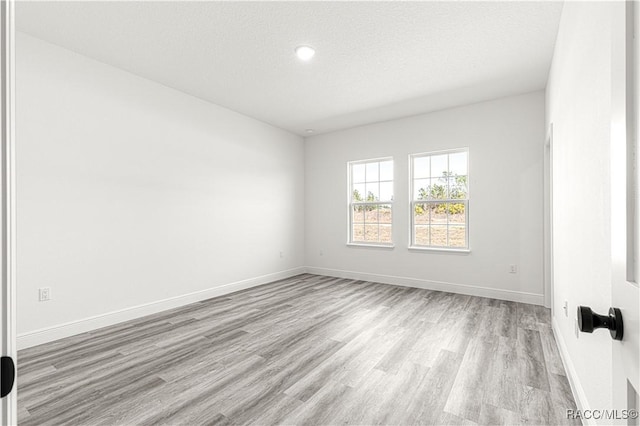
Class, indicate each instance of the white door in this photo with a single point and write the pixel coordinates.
(8, 410)
(625, 226)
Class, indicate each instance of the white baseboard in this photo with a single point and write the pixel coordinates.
(574, 381)
(49, 334)
(514, 296)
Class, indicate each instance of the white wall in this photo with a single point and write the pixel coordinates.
(579, 106)
(131, 193)
(506, 151)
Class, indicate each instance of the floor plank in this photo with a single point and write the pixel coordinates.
(306, 350)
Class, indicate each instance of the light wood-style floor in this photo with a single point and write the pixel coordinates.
(306, 350)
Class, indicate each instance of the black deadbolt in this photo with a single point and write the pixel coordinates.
(589, 321)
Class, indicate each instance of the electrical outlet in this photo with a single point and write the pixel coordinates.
(44, 294)
(321, 253)
(281, 254)
(566, 308)
(513, 269)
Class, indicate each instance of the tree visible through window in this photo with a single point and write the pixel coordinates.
(370, 201)
(440, 200)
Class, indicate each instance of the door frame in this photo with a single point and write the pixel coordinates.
(548, 220)
(8, 405)
(624, 287)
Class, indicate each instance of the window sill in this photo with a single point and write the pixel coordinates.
(382, 246)
(441, 249)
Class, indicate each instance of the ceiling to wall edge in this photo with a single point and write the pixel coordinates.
(430, 111)
(303, 134)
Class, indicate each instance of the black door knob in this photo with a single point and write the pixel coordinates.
(589, 321)
(7, 375)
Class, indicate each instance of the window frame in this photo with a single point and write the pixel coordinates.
(351, 204)
(413, 203)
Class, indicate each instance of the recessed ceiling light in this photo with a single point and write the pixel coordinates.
(305, 53)
(309, 131)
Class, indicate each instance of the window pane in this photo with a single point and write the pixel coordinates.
(357, 233)
(456, 213)
(371, 233)
(384, 213)
(457, 236)
(385, 233)
(436, 179)
(369, 183)
(438, 235)
(371, 214)
(421, 214)
(386, 191)
(438, 189)
(372, 172)
(421, 167)
(357, 216)
(458, 187)
(458, 163)
(358, 193)
(373, 192)
(386, 170)
(438, 213)
(421, 235)
(439, 165)
(357, 173)
(421, 189)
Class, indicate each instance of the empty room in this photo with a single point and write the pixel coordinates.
(319, 213)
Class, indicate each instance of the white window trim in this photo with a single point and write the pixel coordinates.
(373, 245)
(350, 204)
(444, 249)
(440, 249)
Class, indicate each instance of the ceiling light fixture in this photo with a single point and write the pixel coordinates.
(309, 131)
(305, 53)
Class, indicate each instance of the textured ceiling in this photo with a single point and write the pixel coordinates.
(375, 61)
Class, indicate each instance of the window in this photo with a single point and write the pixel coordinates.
(440, 200)
(370, 200)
